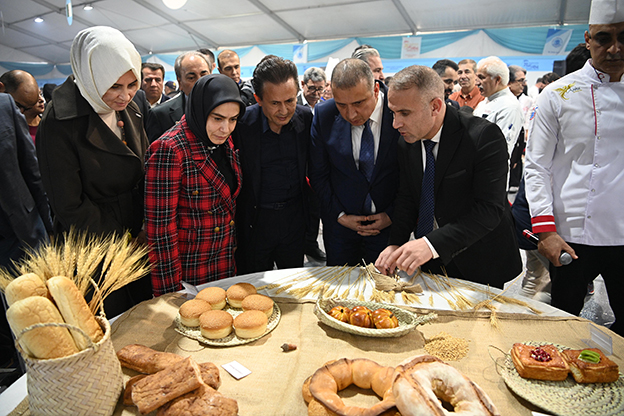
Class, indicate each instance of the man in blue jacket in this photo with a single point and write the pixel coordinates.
(353, 165)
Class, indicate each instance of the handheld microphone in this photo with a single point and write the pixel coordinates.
(564, 258)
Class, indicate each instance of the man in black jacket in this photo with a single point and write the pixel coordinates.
(458, 210)
(273, 138)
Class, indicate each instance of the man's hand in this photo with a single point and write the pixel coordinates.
(408, 257)
(382, 263)
(352, 222)
(379, 222)
(551, 245)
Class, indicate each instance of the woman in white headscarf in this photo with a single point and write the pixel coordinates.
(91, 143)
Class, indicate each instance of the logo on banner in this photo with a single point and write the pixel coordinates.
(556, 41)
(410, 48)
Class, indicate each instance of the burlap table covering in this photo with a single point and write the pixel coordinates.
(274, 386)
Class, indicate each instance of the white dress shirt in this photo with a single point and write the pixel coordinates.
(575, 159)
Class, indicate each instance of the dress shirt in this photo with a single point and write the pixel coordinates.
(375, 125)
(471, 99)
(305, 102)
(356, 137)
(574, 165)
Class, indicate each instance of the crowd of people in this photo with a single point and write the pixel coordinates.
(223, 176)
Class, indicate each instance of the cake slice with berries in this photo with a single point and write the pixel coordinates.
(541, 363)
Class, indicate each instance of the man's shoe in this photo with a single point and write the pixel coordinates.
(316, 253)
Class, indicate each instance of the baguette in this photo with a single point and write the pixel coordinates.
(604, 371)
(74, 309)
(25, 286)
(42, 343)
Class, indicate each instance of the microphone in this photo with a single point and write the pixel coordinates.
(564, 258)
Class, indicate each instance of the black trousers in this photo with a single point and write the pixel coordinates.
(278, 238)
(569, 283)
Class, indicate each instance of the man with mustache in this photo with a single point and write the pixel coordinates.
(574, 167)
(469, 94)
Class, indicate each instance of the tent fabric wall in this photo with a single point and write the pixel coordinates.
(526, 41)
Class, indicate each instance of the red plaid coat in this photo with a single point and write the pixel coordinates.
(189, 211)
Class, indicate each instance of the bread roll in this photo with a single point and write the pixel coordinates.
(43, 343)
(236, 293)
(215, 324)
(250, 324)
(75, 311)
(213, 295)
(24, 286)
(191, 310)
(258, 303)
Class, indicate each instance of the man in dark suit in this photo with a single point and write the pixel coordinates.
(24, 211)
(353, 165)
(152, 82)
(189, 67)
(273, 138)
(456, 204)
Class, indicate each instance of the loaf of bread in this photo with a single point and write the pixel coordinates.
(540, 363)
(74, 310)
(153, 391)
(25, 286)
(42, 343)
(604, 371)
(204, 401)
(146, 360)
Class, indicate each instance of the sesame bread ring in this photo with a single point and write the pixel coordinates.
(328, 380)
(419, 383)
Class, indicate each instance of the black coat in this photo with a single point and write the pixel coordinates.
(24, 212)
(475, 231)
(247, 140)
(164, 116)
(93, 180)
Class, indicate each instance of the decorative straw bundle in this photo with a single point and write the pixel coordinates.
(80, 256)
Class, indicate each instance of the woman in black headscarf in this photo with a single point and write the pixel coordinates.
(192, 179)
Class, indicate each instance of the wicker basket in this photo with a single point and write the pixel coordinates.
(407, 320)
(86, 383)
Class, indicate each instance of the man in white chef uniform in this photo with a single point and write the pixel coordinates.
(575, 168)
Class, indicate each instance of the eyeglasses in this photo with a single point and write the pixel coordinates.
(521, 80)
(314, 90)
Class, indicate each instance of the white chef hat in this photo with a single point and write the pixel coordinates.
(606, 12)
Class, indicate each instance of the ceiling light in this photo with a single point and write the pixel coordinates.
(38, 19)
(87, 7)
(174, 4)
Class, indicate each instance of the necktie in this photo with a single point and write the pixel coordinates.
(367, 160)
(427, 200)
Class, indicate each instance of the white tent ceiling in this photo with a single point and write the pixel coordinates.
(153, 28)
